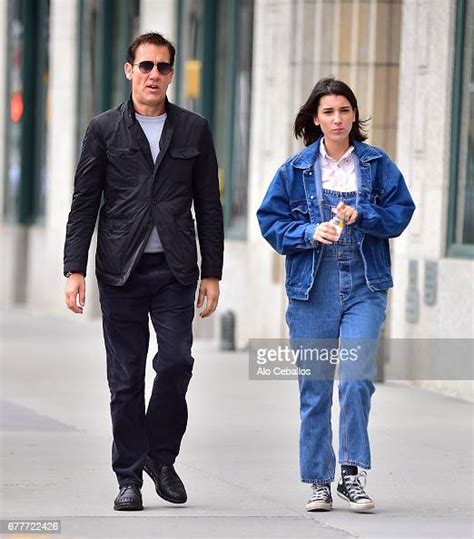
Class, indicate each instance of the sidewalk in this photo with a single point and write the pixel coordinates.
(239, 458)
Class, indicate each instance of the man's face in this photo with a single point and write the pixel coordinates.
(149, 89)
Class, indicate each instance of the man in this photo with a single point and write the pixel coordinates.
(148, 161)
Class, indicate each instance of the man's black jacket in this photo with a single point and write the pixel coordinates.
(116, 162)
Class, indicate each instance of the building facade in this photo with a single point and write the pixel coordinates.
(247, 66)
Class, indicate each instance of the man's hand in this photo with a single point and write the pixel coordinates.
(75, 286)
(209, 291)
(347, 213)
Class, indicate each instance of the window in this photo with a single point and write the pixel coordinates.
(461, 207)
(232, 119)
(215, 39)
(106, 28)
(26, 123)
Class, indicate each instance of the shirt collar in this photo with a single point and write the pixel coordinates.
(328, 159)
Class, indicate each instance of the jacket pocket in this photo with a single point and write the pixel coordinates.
(182, 162)
(186, 152)
(299, 269)
(123, 163)
(111, 246)
(188, 244)
(377, 255)
(299, 210)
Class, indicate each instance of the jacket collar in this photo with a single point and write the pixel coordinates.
(306, 158)
(128, 114)
(128, 111)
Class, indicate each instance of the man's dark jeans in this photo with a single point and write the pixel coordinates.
(151, 290)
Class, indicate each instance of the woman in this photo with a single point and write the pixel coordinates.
(336, 284)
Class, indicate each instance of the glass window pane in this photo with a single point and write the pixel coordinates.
(464, 218)
(190, 48)
(225, 91)
(102, 83)
(241, 122)
(27, 121)
(42, 114)
(14, 124)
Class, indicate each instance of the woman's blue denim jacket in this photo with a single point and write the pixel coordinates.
(292, 209)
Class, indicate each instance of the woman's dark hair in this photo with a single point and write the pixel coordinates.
(304, 122)
(154, 38)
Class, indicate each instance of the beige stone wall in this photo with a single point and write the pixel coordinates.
(398, 58)
(357, 41)
(45, 271)
(295, 44)
(424, 154)
(159, 16)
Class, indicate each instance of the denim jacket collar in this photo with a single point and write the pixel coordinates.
(307, 157)
(307, 160)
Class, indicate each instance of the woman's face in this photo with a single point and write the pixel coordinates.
(335, 116)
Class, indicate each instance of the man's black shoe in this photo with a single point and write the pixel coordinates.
(167, 482)
(129, 499)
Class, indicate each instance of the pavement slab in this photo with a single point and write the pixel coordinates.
(239, 457)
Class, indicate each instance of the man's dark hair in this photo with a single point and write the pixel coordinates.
(304, 122)
(154, 38)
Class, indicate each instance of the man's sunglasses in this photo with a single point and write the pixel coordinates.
(164, 68)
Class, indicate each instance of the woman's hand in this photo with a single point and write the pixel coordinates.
(325, 233)
(347, 213)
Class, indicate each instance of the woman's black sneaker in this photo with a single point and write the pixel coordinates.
(321, 499)
(351, 489)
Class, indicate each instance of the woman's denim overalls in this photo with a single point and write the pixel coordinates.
(340, 306)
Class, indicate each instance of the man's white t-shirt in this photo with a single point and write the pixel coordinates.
(153, 127)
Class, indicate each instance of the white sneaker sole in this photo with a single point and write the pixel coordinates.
(367, 506)
(318, 506)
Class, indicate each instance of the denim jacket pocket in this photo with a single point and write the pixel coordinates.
(299, 210)
(299, 269)
(377, 256)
